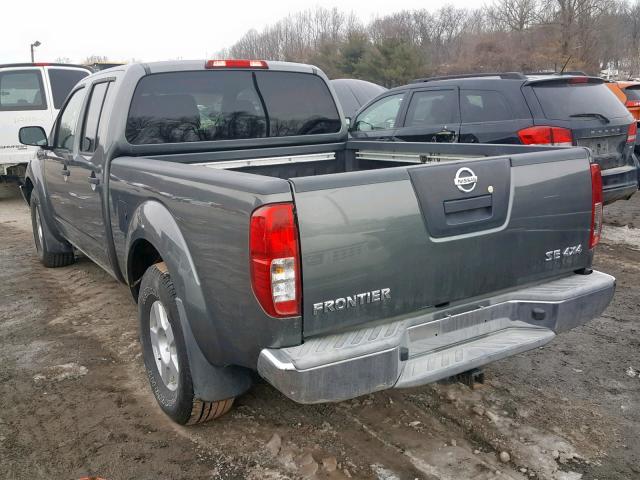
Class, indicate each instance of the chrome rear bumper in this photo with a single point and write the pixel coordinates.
(413, 351)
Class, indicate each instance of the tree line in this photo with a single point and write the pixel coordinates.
(507, 35)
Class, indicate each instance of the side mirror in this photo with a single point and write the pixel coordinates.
(33, 136)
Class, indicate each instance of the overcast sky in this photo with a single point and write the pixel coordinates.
(156, 30)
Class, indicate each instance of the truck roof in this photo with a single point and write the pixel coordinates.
(183, 65)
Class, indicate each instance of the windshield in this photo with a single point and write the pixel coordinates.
(228, 105)
(562, 100)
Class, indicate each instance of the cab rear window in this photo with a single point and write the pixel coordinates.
(561, 100)
(22, 90)
(200, 106)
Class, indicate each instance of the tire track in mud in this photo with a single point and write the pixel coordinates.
(83, 315)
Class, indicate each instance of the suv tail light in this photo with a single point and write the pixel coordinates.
(632, 133)
(236, 64)
(632, 103)
(543, 135)
(275, 259)
(596, 205)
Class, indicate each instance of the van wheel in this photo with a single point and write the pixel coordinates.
(49, 259)
(165, 355)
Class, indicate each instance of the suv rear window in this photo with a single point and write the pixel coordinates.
(62, 81)
(560, 100)
(181, 107)
(21, 90)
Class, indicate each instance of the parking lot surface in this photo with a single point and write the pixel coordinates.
(75, 400)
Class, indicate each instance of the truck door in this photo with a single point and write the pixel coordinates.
(58, 164)
(85, 182)
(432, 115)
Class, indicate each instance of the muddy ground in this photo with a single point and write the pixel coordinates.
(75, 401)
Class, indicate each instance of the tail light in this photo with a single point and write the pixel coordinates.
(596, 205)
(542, 135)
(236, 64)
(632, 103)
(275, 259)
(632, 133)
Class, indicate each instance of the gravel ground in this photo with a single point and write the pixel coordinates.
(75, 400)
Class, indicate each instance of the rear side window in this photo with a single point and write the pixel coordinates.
(561, 100)
(92, 118)
(181, 107)
(380, 115)
(484, 106)
(62, 81)
(22, 90)
(432, 107)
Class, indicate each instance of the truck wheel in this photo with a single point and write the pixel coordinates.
(165, 354)
(49, 259)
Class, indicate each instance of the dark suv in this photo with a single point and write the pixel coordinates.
(511, 108)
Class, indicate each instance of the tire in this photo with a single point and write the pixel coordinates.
(158, 316)
(48, 258)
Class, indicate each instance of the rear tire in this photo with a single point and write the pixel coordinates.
(164, 350)
(40, 230)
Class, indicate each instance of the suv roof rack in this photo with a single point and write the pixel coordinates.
(504, 76)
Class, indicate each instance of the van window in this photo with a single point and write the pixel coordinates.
(432, 107)
(561, 99)
(68, 121)
(484, 106)
(62, 81)
(211, 105)
(22, 90)
(90, 127)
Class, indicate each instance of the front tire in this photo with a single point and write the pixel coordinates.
(40, 230)
(165, 354)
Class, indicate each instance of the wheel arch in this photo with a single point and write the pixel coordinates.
(154, 236)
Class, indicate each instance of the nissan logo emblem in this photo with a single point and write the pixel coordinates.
(465, 180)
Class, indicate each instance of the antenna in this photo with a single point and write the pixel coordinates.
(565, 65)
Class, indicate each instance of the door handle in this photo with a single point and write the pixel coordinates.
(93, 181)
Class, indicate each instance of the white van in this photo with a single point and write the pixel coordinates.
(30, 94)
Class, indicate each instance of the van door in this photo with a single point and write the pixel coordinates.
(84, 183)
(432, 116)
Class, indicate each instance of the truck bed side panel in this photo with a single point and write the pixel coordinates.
(211, 209)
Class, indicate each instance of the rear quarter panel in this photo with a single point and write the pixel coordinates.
(198, 218)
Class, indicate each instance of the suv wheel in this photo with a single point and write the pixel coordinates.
(165, 355)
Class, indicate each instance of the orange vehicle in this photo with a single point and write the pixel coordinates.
(629, 94)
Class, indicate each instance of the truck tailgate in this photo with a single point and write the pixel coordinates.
(392, 242)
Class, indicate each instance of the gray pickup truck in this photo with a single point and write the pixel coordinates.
(255, 237)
